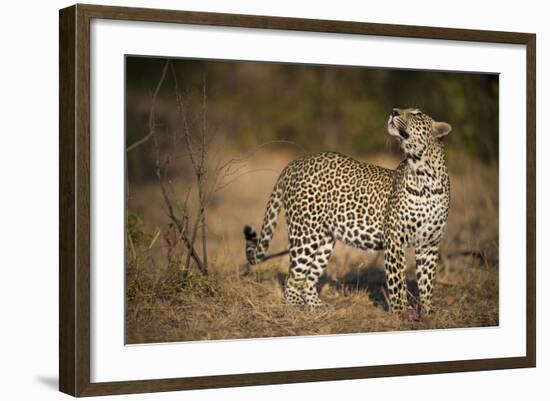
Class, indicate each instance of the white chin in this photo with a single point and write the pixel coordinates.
(393, 132)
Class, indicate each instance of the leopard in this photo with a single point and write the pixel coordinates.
(329, 197)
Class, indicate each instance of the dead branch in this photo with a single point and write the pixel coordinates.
(160, 172)
(245, 268)
(480, 256)
(196, 144)
(198, 162)
(180, 223)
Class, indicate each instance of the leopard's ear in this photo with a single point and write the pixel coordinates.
(440, 129)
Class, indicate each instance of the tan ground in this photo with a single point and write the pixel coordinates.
(164, 304)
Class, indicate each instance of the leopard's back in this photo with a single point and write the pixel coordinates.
(338, 195)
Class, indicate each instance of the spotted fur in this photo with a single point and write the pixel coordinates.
(330, 197)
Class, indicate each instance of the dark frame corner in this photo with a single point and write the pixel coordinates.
(74, 199)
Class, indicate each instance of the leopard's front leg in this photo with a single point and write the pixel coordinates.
(426, 265)
(394, 265)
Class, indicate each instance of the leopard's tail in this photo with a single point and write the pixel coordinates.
(256, 248)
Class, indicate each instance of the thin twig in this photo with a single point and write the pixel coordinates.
(154, 238)
(183, 117)
(203, 175)
(151, 111)
(220, 187)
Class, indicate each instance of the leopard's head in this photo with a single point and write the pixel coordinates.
(415, 131)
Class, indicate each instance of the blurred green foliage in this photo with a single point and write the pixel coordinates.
(135, 229)
(318, 107)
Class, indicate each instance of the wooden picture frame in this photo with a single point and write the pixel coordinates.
(74, 204)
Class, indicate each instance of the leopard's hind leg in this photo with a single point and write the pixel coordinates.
(322, 255)
(302, 255)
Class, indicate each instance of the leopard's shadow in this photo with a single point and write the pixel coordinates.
(371, 279)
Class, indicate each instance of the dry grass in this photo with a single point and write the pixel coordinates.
(165, 304)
